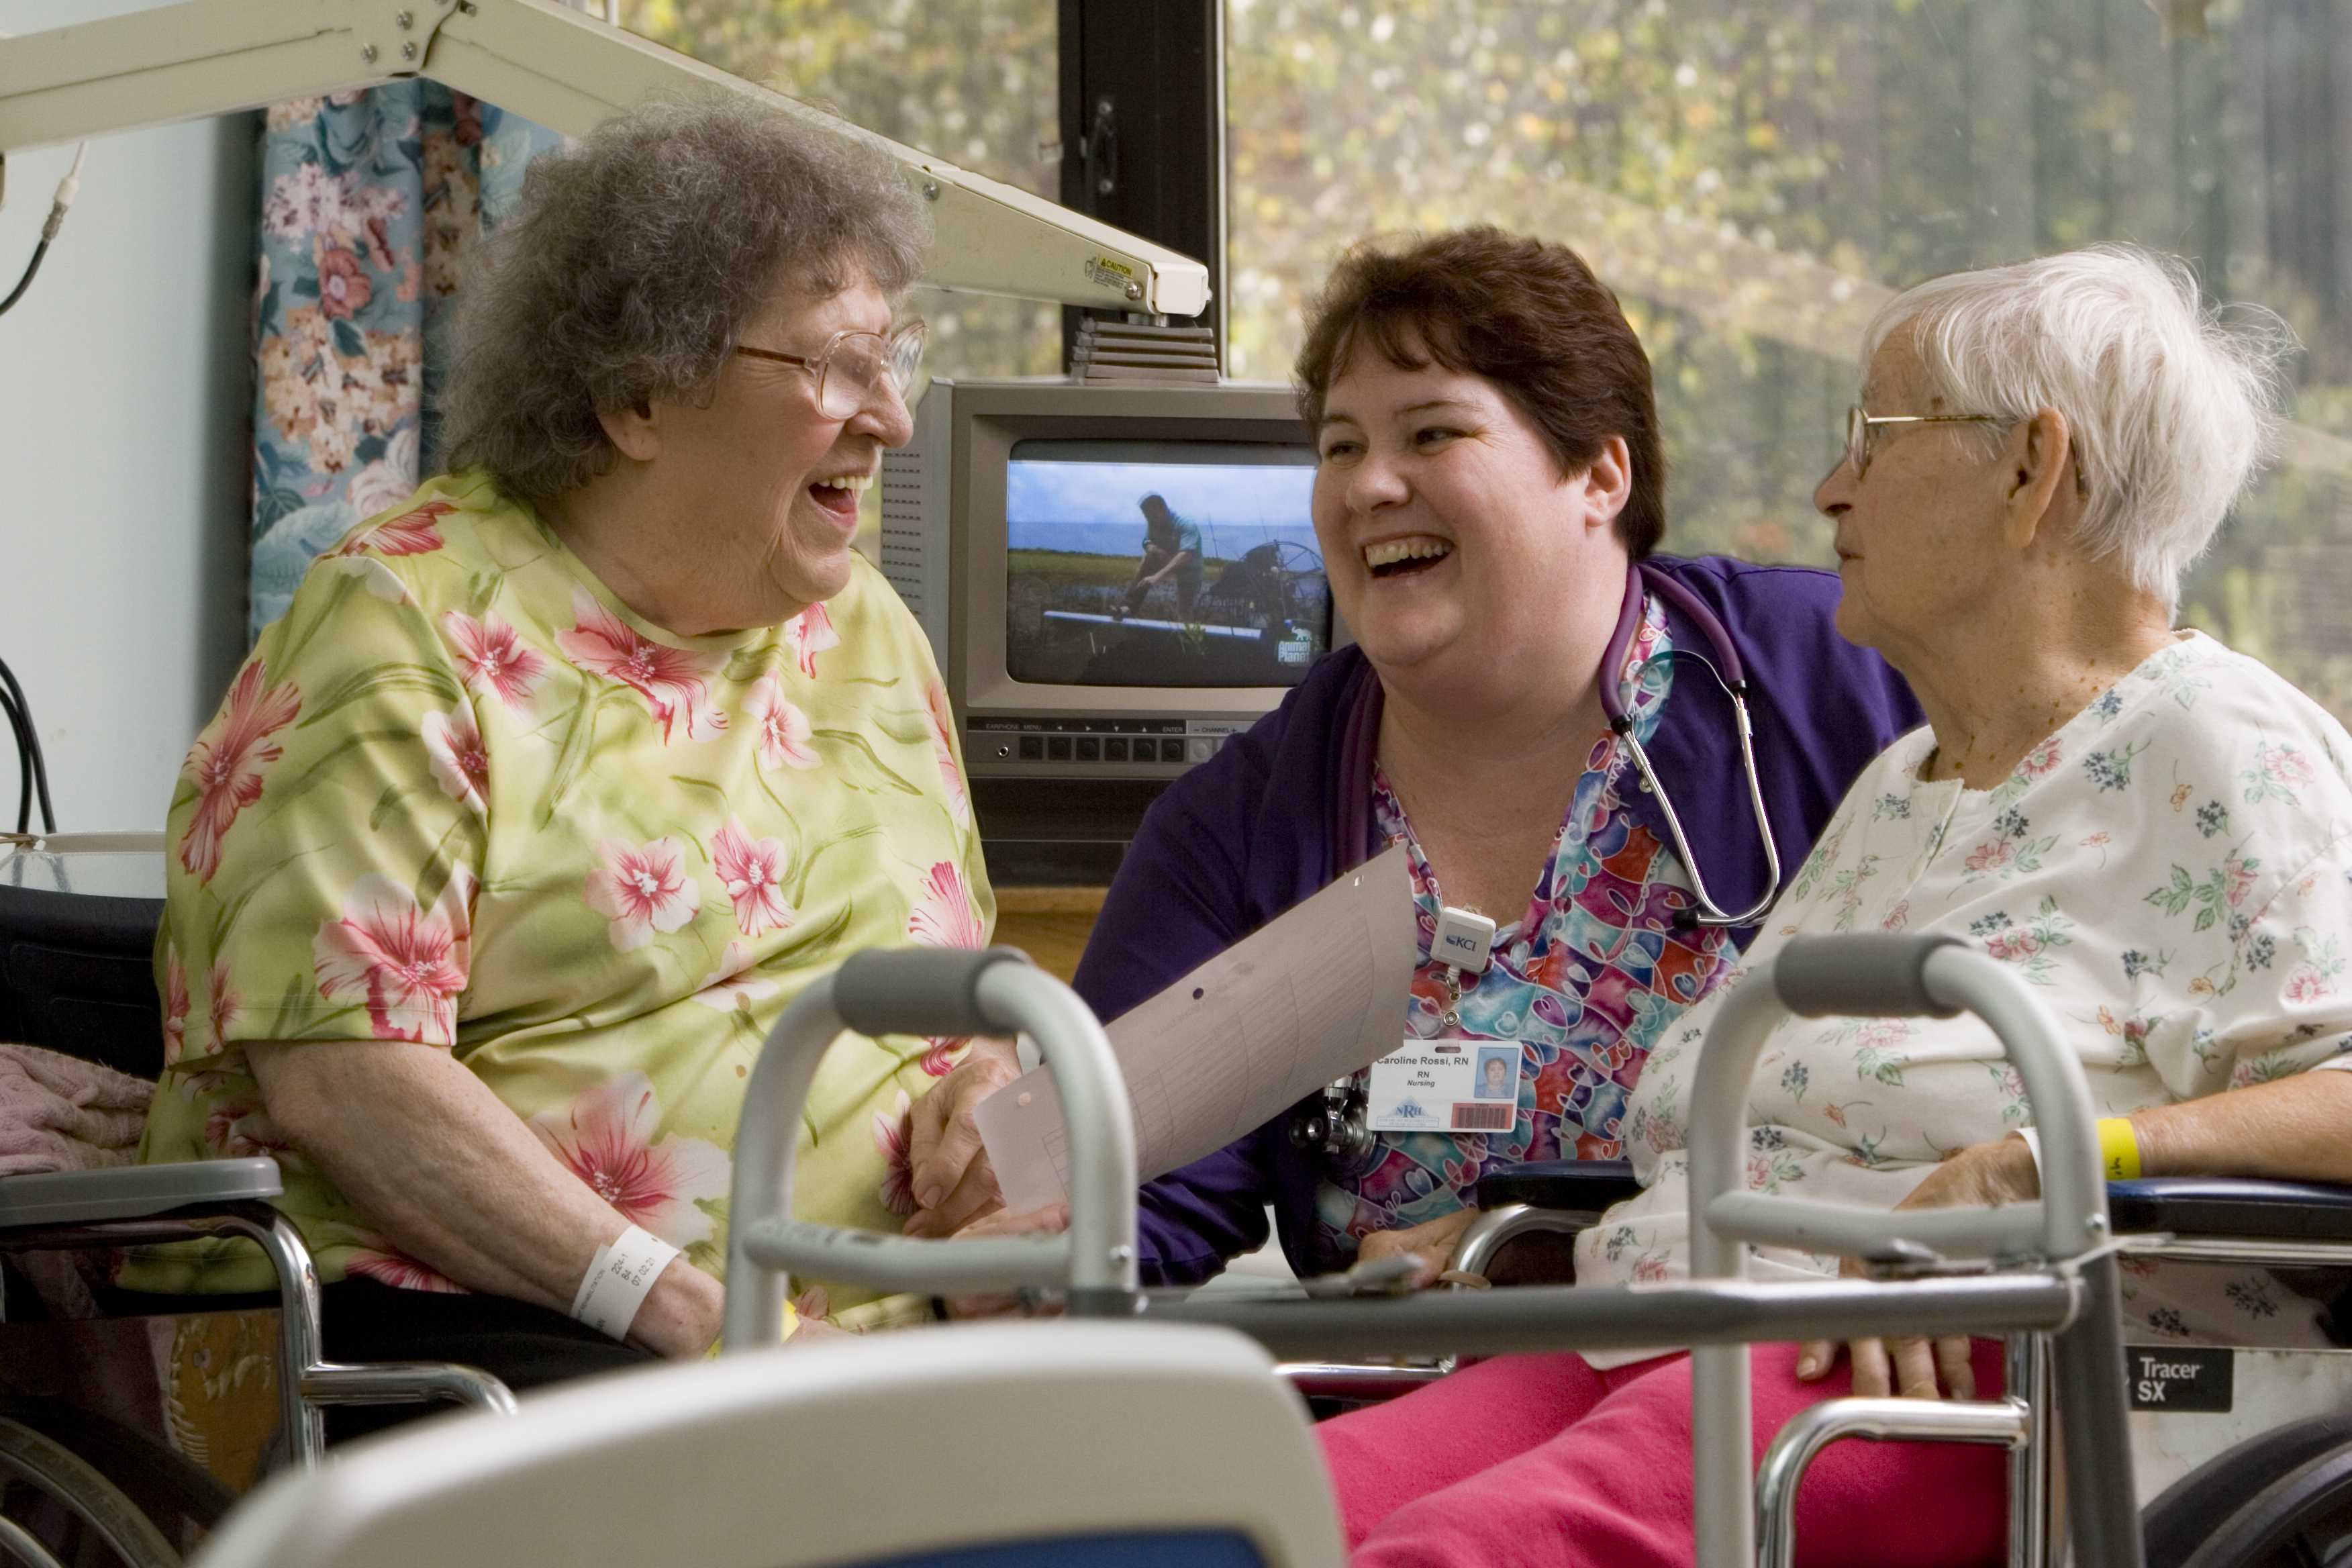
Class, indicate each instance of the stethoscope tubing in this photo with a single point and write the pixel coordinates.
(1733, 676)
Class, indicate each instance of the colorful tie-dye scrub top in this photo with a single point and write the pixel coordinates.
(1584, 982)
(459, 794)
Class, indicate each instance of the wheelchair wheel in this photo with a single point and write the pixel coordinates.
(2302, 1520)
(69, 1508)
(2181, 1518)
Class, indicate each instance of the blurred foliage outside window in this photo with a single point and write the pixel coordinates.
(972, 81)
(1755, 177)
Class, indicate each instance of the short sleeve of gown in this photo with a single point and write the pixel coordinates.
(326, 833)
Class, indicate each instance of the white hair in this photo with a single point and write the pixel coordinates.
(2167, 408)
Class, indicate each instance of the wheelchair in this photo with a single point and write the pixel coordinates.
(75, 952)
(571, 1452)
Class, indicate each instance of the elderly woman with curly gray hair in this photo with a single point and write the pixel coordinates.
(558, 780)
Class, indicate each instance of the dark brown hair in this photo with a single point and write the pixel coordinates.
(1530, 317)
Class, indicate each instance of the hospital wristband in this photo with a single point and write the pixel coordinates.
(619, 1279)
(2118, 1149)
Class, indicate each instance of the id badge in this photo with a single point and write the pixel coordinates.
(1445, 1086)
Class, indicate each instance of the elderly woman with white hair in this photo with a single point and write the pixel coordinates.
(2155, 829)
(559, 779)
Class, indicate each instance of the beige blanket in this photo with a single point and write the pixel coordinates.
(62, 1113)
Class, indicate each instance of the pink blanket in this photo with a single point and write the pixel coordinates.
(61, 1113)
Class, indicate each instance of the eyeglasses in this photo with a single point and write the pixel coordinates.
(854, 363)
(1858, 427)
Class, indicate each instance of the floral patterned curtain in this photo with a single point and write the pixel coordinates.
(371, 200)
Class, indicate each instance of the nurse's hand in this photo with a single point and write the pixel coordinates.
(1983, 1175)
(1051, 1220)
(948, 1171)
(1431, 1245)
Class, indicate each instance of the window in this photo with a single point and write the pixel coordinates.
(972, 81)
(1755, 177)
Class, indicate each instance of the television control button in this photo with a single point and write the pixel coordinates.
(1115, 749)
(1204, 747)
(1057, 748)
(1089, 749)
(1171, 751)
(1033, 748)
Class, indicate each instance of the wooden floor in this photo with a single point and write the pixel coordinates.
(1050, 924)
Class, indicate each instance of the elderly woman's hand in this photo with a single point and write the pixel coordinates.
(1051, 1220)
(1983, 1175)
(953, 1181)
(1431, 1245)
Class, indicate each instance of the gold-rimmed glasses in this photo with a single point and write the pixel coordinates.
(1858, 427)
(854, 363)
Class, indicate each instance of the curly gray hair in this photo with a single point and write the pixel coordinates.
(636, 259)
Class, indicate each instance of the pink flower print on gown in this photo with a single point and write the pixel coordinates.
(784, 728)
(943, 915)
(810, 632)
(494, 660)
(642, 889)
(935, 703)
(733, 986)
(893, 1133)
(223, 1010)
(461, 763)
(407, 963)
(410, 533)
(675, 683)
(606, 1139)
(753, 871)
(376, 1259)
(226, 762)
(176, 1005)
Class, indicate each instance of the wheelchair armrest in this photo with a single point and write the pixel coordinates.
(1590, 1185)
(2239, 1207)
(133, 1192)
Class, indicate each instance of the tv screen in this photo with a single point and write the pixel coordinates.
(1162, 563)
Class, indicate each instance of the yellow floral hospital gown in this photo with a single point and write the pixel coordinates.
(459, 794)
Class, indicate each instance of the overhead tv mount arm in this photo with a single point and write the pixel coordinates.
(551, 64)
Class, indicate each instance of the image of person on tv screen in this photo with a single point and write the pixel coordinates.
(1172, 549)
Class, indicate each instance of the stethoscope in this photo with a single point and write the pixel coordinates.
(1334, 1124)
(1733, 678)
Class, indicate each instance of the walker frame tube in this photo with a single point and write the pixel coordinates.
(1804, 1434)
(1896, 977)
(931, 990)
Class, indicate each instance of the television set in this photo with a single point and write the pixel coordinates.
(1115, 577)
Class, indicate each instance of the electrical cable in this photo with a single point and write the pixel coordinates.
(32, 768)
(24, 762)
(67, 189)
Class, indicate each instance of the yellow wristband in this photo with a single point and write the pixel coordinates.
(2118, 1149)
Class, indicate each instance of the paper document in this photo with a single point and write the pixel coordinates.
(1310, 997)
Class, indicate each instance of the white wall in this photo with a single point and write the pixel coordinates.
(125, 398)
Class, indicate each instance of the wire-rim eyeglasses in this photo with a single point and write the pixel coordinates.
(1858, 427)
(854, 363)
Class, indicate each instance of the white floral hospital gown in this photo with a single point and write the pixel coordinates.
(2171, 867)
